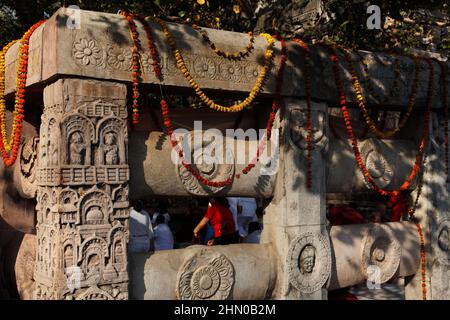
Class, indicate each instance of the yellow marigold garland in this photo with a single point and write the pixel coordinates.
(210, 103)
(362, 106)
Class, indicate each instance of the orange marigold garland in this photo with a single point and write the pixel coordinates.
(422, 142)
(10, 149)
(137, 71)
(306, 72)
(423, 261)
(362, 106)
(236, 56)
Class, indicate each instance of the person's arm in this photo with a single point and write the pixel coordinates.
(200, 226)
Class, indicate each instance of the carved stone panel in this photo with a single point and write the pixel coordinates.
(381, 249)
(298, 128)
(207, 275)
(82, 169)
(215, 169)
(378, 165)
(309, 262)
(441, 239)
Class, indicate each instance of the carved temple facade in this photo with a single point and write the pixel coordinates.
(82, 164)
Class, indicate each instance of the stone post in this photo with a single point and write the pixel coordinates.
(295, 220)
(82, 196)
(434, 217)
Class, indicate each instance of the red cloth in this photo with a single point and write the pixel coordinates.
(399, 207)
(220, 219)
(342, 215)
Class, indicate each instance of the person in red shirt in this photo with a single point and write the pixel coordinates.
(221, 220)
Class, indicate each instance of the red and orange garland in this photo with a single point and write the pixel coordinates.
(422, 142)
(261, 146)
(9, 149)
(151, 47)
(423, 261)
(306, 72)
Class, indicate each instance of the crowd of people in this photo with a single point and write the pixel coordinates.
(223, 221)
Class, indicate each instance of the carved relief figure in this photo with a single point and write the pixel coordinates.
(52, 152)
(111, 150)
(68, 256)
(307, 259)
(444, 240)
(77, 148)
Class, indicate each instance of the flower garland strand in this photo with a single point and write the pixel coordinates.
(10, 149)
(275, 107)
(362, 106)
(423, 261)
(137, 71)
(4, 133)
(422, 142)
(306, 72)
(235, 56)
(151, 47)
(210, 103)
(443, 67)
(261, 145)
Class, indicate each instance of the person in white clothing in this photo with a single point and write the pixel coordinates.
(233, 202)
(141, 230)
(161, 209)
(163, 235)
(246, 209)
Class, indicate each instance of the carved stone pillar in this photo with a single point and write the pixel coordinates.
(434, 217)
(82, 196)
(295, 220)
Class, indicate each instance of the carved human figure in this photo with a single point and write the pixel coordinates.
(307, 259)
(77, 148)
(118, 253)
(444, 239)
(68, 256)
(110, 149)
(52, 152)
(93, 265)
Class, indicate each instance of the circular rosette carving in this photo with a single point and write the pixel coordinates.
(442, 242)
(121, 59)
(212, 160)
(205, 67)
(87, 52)
(309, 262)
(28, 163)
(251, 71)
(381, 249)
(298, 129)
(206, 275)
(377, 165)
(230, 70)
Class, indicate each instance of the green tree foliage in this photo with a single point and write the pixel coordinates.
(405, 23)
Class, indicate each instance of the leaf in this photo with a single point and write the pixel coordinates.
(181, 14)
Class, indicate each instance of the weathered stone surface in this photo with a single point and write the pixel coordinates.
(392, 247)
(101, 49)
(295, 220)
(238, 272)
(82, 194)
